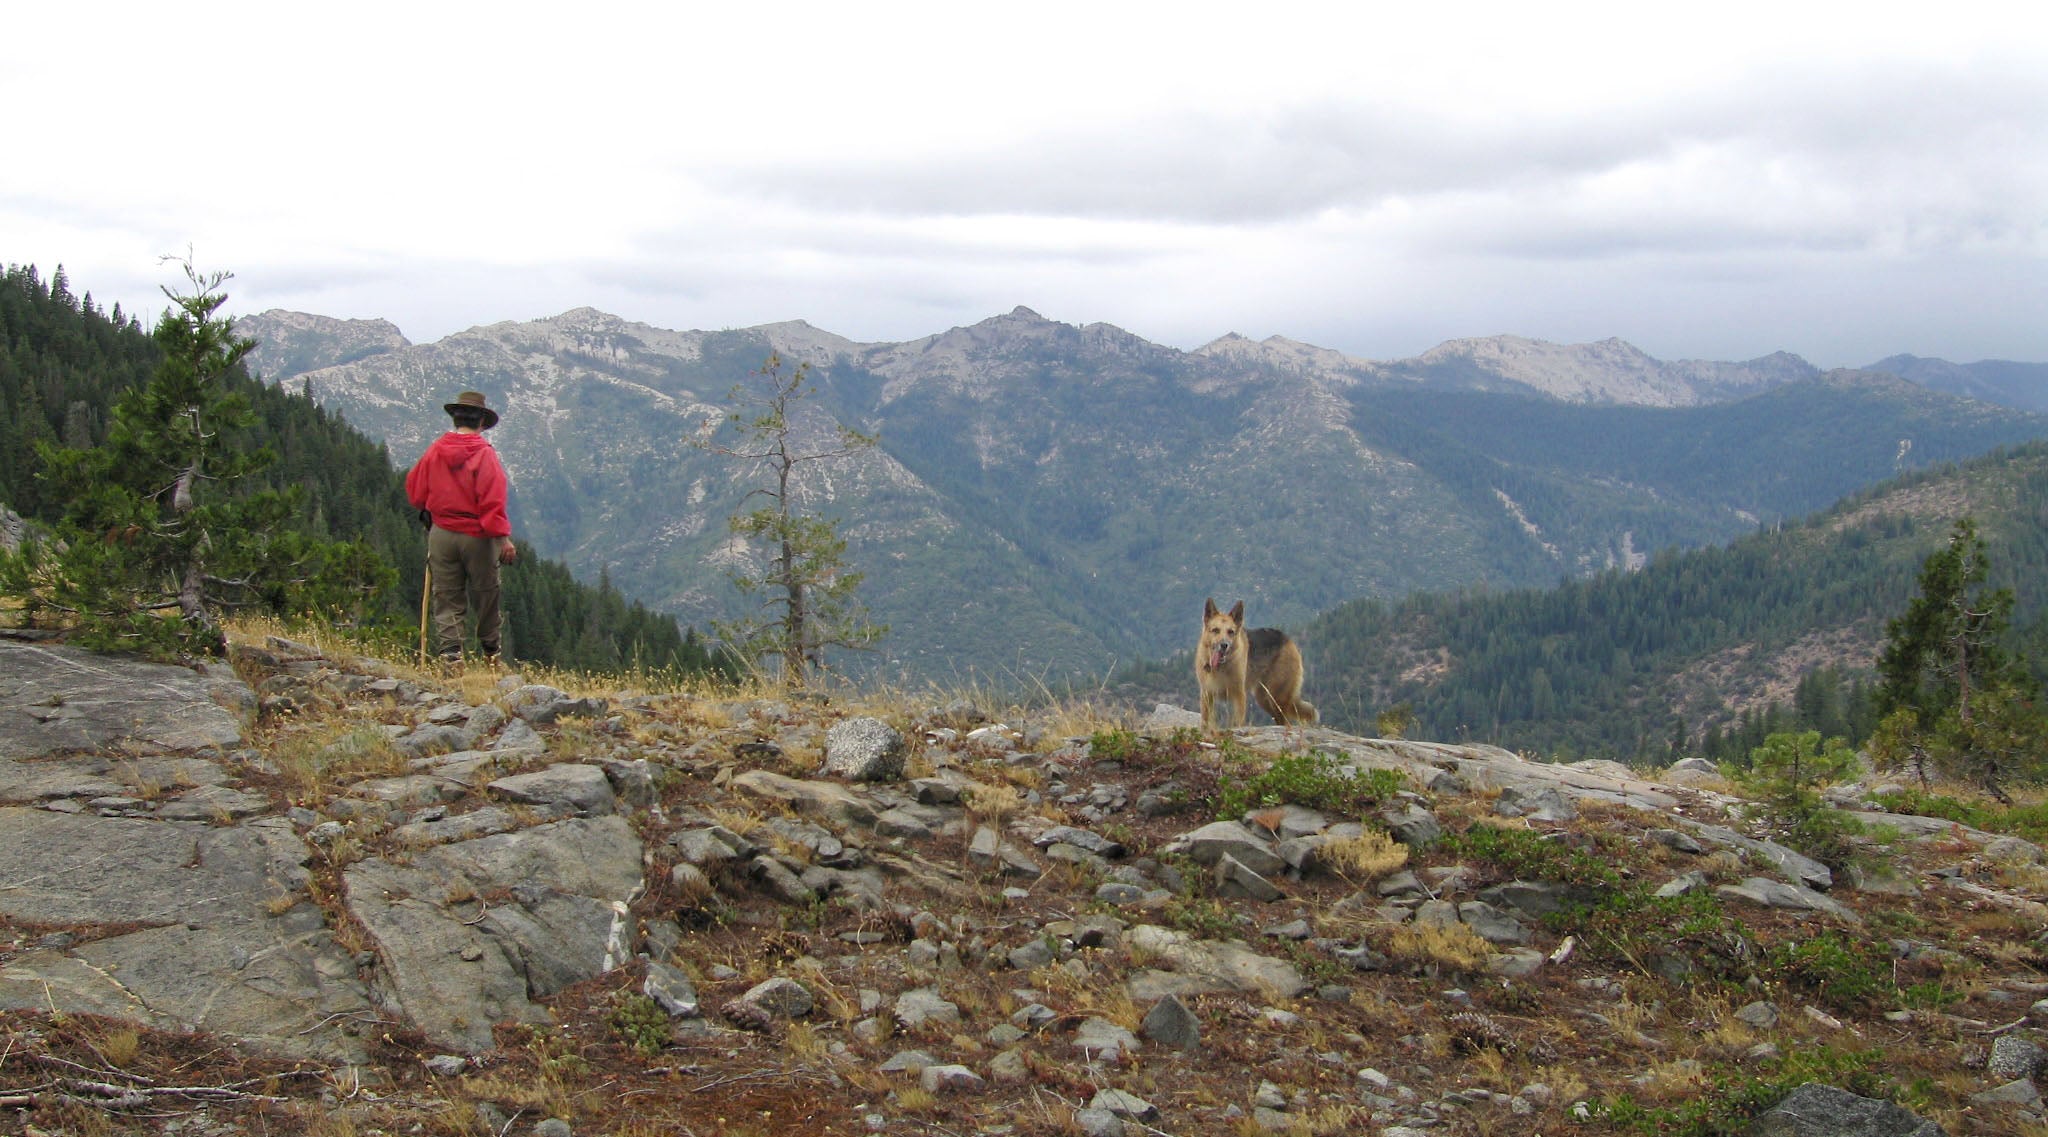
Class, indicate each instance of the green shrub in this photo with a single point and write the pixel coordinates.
(1848, 974)
(642, 1023)
(1636, 927)
(1786, 774)
(1315, 780)
(1525, 854)
(1131, 748)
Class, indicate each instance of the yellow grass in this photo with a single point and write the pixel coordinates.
(1455, 946)
(1364, 858)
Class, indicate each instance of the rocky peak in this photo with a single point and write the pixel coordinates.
(1611, 371)
(292, 343)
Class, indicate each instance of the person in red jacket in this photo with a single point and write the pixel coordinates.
(461, 484)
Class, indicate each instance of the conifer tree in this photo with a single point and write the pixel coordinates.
(156, 539)
(811, 600)
(1951, 691)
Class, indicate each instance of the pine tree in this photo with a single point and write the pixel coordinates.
(1948, 642)
(1949, 688)
(811, 600)
(154, 521)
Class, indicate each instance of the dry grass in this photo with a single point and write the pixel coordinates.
(1364, 858)
(317, 764)
(1455, 946)
(994, 804)
(917, 1100)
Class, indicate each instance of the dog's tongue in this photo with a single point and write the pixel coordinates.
(1216, 656)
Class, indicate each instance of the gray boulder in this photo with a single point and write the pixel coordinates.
(455, 964)
(1189, 966)
(829, 802)
(672, 990)
(916, 1007)
(568, 788)
(540, 704)
(1235, 879)
(1099, 1039)
(987, 851)
(1170, 1023)
(780, 997)
(1218, 839)
(864, 750)
(1817, 1110)
(1547, 804)
(1491, 924)
(1770, 893)
(1412, 825)
(2014, 1057)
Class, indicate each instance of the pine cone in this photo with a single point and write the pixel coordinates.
(746, 1016)
(1472, 1031)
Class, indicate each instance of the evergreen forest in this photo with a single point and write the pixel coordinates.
(1706, 651)
(64, 361)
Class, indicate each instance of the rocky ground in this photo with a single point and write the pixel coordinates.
(317, 893)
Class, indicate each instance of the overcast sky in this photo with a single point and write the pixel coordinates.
(1716, 181)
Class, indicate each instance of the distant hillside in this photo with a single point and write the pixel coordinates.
(2001, 381)
(1051, 499)
(1618, 664)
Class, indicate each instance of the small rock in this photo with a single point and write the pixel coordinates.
(1760, 1015)
(950, 1079)
(1124, 1104)
(2014, 1057)
(1103, 1040)
(781, 997)
(1171, 1023)
(1098, 1123)
(907, 1061)
(2020, 1092)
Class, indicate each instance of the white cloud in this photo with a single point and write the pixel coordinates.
(1845, 181)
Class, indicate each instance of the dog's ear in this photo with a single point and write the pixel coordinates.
(1208, 608)
(1237, 612)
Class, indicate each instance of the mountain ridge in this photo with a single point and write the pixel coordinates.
(1054, 496)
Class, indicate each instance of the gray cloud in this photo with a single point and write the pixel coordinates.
(1796, 161)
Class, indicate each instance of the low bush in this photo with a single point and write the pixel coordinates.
(1316, 780)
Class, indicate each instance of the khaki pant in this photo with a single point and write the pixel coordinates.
(463, 566)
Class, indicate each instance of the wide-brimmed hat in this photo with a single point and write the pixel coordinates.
(473, 401)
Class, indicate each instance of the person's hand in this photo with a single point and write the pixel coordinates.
(507, 551)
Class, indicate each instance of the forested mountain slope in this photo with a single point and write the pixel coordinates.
(63, 361)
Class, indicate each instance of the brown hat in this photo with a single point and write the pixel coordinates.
(473, 401)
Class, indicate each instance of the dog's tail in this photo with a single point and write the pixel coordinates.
(1308, 710)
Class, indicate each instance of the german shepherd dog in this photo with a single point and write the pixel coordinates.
(1235, 665)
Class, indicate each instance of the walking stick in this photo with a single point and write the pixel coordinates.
(426, 590)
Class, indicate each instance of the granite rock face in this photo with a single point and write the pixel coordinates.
(56, 700)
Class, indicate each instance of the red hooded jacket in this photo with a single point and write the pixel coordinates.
(460, 481)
